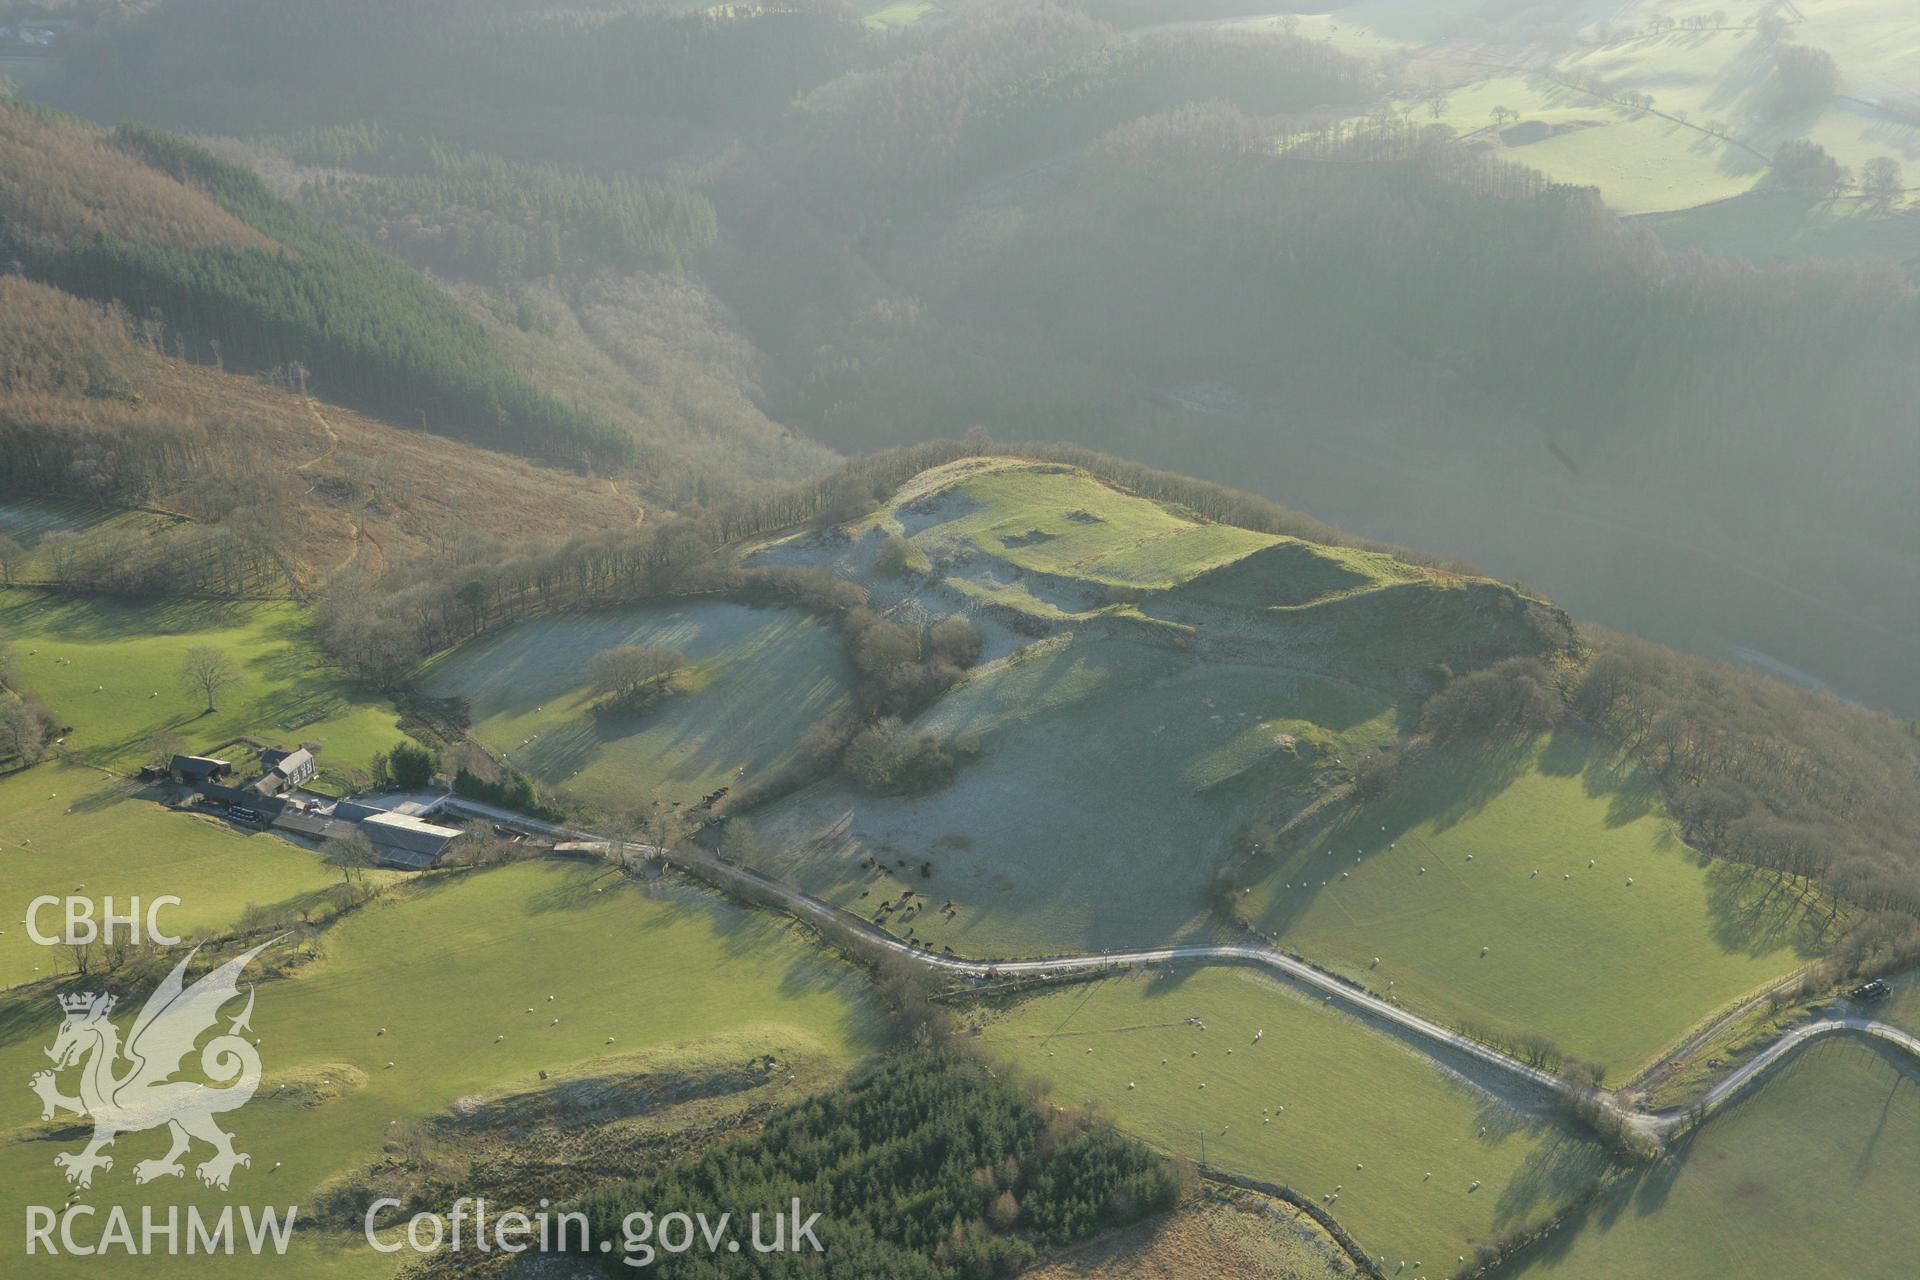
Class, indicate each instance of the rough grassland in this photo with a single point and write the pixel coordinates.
(62, 826)
(1811, 1174)
(1110, 778)
(759, 679)
(1247, 1236)
(111, 671)
(1351, 1097)
(1609, 971)
(445, 967)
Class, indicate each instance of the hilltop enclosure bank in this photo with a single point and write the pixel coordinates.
(84, 1231)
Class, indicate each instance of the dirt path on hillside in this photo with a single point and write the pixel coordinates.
(333, 437)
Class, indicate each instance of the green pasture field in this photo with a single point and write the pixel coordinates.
(1111, 777)
(758, 679)
(66, 825)
(1811, 1173)
(1321, 1101)
(1725, 75)
(1058, 520)
(111, 670)
(1609, 971)
(1640, 162)
(444, 967)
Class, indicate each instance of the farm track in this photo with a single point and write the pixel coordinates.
(1333, 990)
(333, 437)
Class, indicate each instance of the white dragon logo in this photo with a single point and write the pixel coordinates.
(144, 1096)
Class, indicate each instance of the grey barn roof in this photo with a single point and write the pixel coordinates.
(403, 831)
(402, 859)
(290, 764)
(312, 824)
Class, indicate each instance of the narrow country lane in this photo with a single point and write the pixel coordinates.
(1657, 1125)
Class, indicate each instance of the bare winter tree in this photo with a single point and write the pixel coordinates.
(163, 745)
(1882, 183)
(207, 671)
(12, 556)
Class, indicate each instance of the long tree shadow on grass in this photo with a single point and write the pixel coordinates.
(1629, 792)
(1758, 912)
(1560, 1171)
(54, 618)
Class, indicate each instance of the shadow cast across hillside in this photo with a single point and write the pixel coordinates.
(95, 620)
(1630, 793)
(1758, 911)
(1751, 911)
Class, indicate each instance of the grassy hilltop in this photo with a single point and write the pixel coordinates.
(1163, 705)
(1154, 686)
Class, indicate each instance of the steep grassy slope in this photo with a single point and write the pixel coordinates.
(1606, 933)
(1810, 1174)
(1319, 1102)
(678, 981)
(1154, 681)
(1111, 774)
(756, 681)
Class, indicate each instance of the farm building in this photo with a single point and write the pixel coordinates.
(284, 770)
(313, 825)
(406, 842)
(195, 770)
